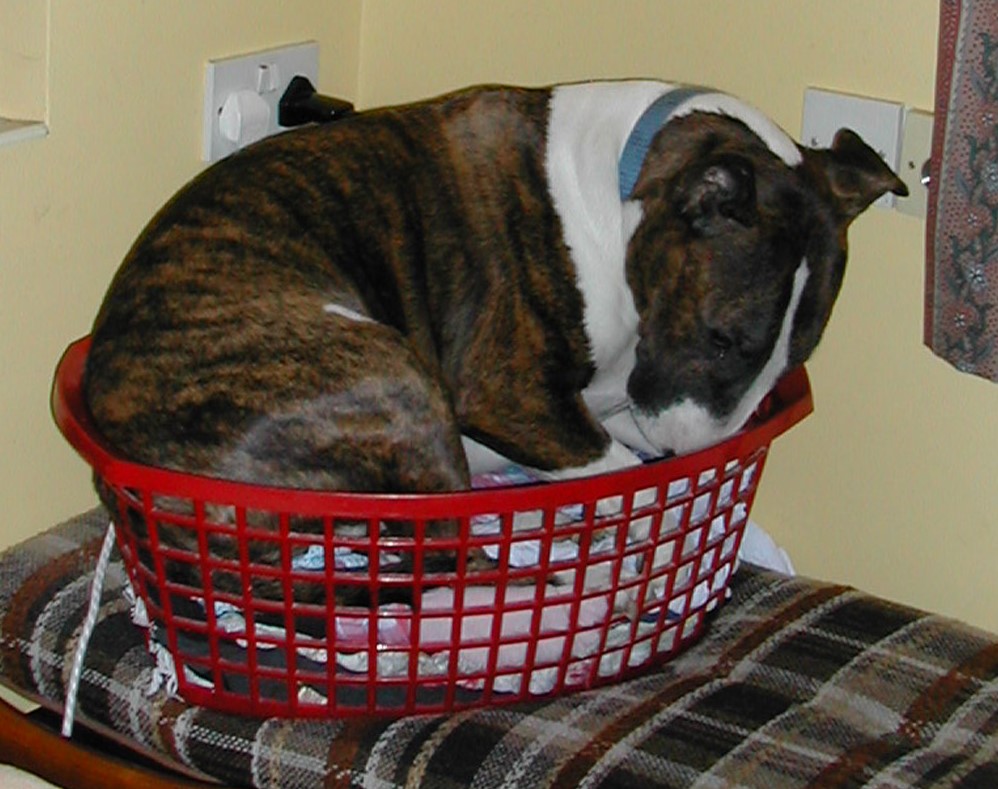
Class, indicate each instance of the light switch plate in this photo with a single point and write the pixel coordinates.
(916, 149)
(266, 73)
(877, 122)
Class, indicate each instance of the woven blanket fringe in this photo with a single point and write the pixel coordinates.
(164, 673)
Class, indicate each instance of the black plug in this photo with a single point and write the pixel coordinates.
(301, 104)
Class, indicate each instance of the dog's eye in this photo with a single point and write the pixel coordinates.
(720, 343)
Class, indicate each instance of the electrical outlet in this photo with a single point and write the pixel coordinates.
(877, 122)
(241, 95)
(916, 149)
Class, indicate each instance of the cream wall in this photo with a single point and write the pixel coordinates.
(124, 108)
(888, 486)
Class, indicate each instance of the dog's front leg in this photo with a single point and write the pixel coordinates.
(616, 457)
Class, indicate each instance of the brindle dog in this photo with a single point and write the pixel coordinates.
(334, 307)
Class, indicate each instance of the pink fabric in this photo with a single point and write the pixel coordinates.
(961, 288)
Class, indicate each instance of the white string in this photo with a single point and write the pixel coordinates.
(93, 608)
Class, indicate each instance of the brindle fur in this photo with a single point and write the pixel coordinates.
(214, 351)
(710, 311)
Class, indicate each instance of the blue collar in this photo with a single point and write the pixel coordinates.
(643, 133)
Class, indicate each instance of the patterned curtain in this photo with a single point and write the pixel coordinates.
(961, 287)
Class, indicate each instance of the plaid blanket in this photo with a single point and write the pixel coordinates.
(796, 683)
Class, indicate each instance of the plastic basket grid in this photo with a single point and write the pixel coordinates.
(593, 580)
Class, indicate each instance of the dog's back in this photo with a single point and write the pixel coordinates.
(269, 312)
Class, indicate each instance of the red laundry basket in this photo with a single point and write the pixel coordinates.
(593, 580)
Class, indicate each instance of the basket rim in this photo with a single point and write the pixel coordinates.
(792, 402)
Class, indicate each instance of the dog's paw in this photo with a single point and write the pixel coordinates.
(616, 457)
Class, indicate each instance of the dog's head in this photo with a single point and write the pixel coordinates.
(734, 267)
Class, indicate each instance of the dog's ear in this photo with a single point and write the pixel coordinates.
(856, 174)
(721, 189)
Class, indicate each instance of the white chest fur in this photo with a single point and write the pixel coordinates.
(588, 127)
